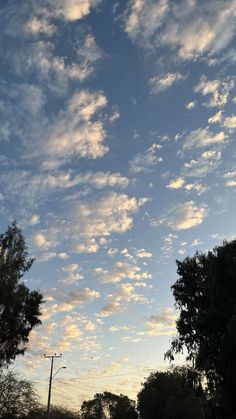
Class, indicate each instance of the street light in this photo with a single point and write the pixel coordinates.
(61, 368)
(52, 357)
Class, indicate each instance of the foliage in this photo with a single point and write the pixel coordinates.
(109, 405)
(170, 395)
(56, 412)
(205, 293)
(17, 396)
(19, 307)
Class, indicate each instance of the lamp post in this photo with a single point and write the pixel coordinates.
(52, 357)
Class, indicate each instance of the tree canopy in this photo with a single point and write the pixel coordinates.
(19, 307)
(109, 405)
(17, 396)
(205, 294)
(169, 395)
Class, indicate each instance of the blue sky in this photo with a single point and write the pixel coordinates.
(117, 157)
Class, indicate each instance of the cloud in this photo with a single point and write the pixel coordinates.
(180, 183)
(183, 216)
(74, 298)
(231, 179)
(144, 18)
(161, 324)
(216, 89)
(34, 219)
(203, 137)
(120, 271)
(142, 253)
(73, 9)
(159, 84)
(118, 302)
(189, 28)
(147, 161)
(230, 123)
(176, 183)
(191, 105)
(206, 163)
(31, 189)
(72, 332)
(215, 118)
(75, 132)
(111, 213)
(38, 60)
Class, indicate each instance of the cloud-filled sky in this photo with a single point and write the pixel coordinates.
(117, 157)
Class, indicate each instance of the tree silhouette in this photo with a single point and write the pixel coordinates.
(17, 396)
(108, 405)
(169, 395)
(19, 307)
(205, 293)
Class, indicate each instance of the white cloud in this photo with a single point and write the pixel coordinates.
(215, 118)
(112, 213)
(196, 187)
(30, 189)
(191, 105)
(34, 219)
(75, 132)
(203, 137)
(159, 84)
(144, 18)
(190, 28)
(36, 26)
(120, 271)
(147, 161)
(162, 324)
(206, 163)
(72, 332)
(180, 183)
(40, 240)
(183, 216)
(231, 179)
(177, 183)
(231, 183)
(73, 9)
(216, 89)
(118, 302)
(142, 253)
(230, 123)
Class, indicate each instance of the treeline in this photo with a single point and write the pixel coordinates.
(176, 394)
(205, 295)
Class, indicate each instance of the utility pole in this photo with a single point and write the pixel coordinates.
(52, 357)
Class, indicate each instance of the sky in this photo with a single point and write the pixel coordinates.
(117, 158)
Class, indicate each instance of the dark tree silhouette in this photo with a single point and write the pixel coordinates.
(56, 412)
(17, 396)
(19, 307)
(205, 294)
(108, 405)
(170, 395)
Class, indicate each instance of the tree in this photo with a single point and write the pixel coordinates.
(109, 405)
(17, 396)
(56, 412)
(169, 395)
(205, 294)
(19, 307)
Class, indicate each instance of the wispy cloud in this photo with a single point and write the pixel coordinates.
(163, 323)
(206, 163)
(146, 162)
(183, 216)
(217, 91)
(203, 137)
(159, 84)
(191, 29)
